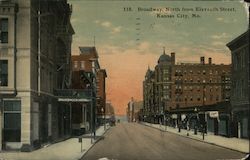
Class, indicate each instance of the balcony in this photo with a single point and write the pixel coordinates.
(74, 95)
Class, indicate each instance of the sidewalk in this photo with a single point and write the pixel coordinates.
(66, 150)
(237, 144)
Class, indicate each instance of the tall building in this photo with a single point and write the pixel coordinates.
(173, 89)
(130, 110)
(101, 95)
(163, 81)
(157, 88)
(199, 84)
(149, 95)
(35, 49)
(240, 84)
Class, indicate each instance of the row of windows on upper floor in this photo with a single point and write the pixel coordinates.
(180, 72)
(224, 80)
(79, 64)
(190, 88)
(168, 78)
(199, 98)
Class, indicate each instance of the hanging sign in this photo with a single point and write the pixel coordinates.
(214, 114)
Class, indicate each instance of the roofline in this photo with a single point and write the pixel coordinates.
(237, 38)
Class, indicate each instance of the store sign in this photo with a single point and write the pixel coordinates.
(174, 116)
(214, 114)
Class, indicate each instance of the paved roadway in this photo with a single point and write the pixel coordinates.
(132, 141)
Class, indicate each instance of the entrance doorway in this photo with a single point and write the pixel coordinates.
(12, 125)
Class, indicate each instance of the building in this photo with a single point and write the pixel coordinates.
(199, 84)
(101, 95)
(35, 49)
(148, 96)
(133, 110)
(177, 92)
(89, 80)
(203, 87)
(157, 88)
(109, 112)
(163, 82)
(240, 84)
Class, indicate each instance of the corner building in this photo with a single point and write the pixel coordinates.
(35, 49)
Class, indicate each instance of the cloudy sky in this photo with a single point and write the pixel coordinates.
(129, 41)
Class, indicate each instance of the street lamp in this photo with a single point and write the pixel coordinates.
(104, 118)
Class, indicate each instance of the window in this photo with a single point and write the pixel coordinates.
(4, 30)
(204, 72)
(211, 97)
(165, 71)
(3, 72)
(82, 64)
(12, 121)
(75, 64)
(191, 98)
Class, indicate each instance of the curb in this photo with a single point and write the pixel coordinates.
(97, 140)
(197, 139)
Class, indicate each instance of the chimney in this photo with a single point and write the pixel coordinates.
(172, 58)
(202, 60)
(210, 60)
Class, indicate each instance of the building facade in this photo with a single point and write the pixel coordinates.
(199, 84)
(87, 76)
(35, 51)
(101, 95)
(240, 84)
(148, 96)
(163, 82)
(133, 110)
(175, 93)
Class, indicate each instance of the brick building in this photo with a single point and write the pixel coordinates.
(199, 84)
(101, 95)
(89, 79)
(175, 89)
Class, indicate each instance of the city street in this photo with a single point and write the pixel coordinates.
(133, 141)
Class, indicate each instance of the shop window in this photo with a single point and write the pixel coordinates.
(12, 121)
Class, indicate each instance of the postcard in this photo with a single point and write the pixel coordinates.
(124, 79)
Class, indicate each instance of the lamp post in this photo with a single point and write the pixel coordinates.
(195, 125)
(104, 118)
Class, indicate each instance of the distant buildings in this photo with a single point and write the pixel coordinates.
(109, 113)
(240, 84)
(133, 110)
(35, 49)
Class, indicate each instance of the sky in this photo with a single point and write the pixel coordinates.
(128, 42)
